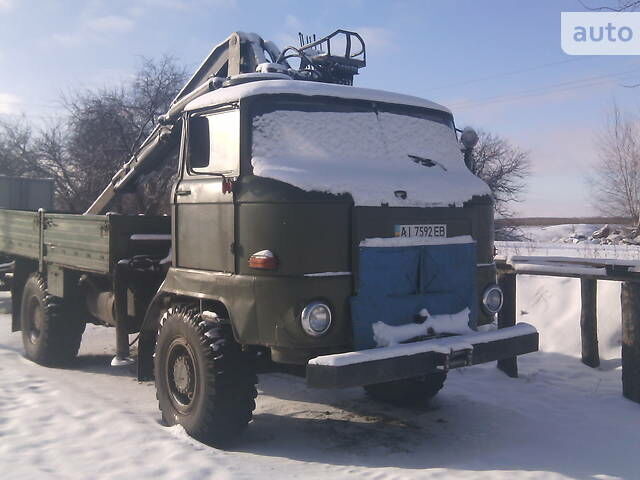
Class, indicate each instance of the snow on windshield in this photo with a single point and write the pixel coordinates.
(367, 154)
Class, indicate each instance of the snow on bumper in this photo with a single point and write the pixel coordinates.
(385, 364)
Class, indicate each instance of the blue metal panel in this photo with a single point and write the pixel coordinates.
(395, 283)
(389, 271)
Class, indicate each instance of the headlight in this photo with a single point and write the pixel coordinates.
(492, 299)
(316, 318)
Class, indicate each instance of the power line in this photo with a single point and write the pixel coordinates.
(509, 73)
(552, 88)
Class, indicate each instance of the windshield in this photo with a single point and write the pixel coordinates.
(365, 150)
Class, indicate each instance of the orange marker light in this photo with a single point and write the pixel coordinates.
(263, 260)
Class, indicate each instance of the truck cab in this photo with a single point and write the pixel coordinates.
(306, 174)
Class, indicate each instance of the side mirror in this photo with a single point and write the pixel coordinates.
(469, 138)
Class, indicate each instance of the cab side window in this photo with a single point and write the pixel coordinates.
(214, 143)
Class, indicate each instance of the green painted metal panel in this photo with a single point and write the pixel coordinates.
(91, 243)
(19, 233)
(77, 241)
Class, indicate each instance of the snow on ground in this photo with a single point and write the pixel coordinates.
(582, 250)
(556, 233)
(560, 419)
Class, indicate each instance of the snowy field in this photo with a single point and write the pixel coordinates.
(582, 250)
(555, 233)
(560, 419)
(555, 240)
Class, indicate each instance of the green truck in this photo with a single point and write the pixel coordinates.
(327, 229)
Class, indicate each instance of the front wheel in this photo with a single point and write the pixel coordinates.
(409, 391)
(204, 381)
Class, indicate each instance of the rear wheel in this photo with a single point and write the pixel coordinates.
(51, 330)
(409, 391)
(204, 381)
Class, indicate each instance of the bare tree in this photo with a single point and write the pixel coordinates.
(16, 149)
(156, 84)
(615, 178)
(44, 154)
(107, 126)
(101, 131)
(53, 161)
(503, 167)
(99, 137)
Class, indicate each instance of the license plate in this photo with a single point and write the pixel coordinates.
(436, 231)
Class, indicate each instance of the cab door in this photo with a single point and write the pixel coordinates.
(203, 207)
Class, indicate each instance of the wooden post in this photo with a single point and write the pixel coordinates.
(630, 298)
(507, 318)
(589, 322)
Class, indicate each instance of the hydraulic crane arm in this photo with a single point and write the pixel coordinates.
(240, 53)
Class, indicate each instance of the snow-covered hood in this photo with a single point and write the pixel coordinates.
(379, 157)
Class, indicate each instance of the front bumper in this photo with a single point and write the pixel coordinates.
(377, 365)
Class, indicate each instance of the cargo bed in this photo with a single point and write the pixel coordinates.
(90, 243)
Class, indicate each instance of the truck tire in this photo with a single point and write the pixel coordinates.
(204, 381)
(409, 391)
(51, 330)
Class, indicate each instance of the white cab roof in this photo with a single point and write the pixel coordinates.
(298, 87)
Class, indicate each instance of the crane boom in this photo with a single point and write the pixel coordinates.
(239, 53)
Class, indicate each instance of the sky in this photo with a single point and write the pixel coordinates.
(497, 64)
